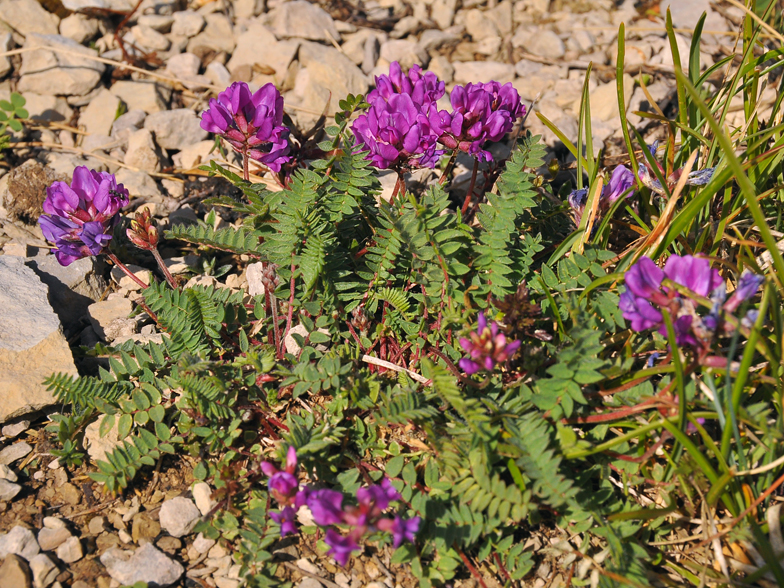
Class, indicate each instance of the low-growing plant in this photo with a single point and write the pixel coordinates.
(607, 360)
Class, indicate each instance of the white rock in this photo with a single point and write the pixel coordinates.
(19, 541)
(479, 26)
(258, 46)
(71, 74)
(141, 152)
(49, 108)
(71, 550)
(406, 52)
(178, 516)
(54, 523)
(195, 155)
(546, 44)
(143, 95)
(218, 35)
(202, 544)
(183, 66)
(78, 27)
(12, 430)
(202, 496)
(118, 5)
(127, 123)
(8, 490)
(7, 473)
(105, 315)
(304, 20)
(217, 73)
(686, 14)
(44, 570)
(604, 100)
(149, 38)
(483, 71)
(6, 42)
(100, 113)
(28, 16)
(51, 539)
(442, 12)
(175, 128)
(159, 22)
(187, 23)
(146, 564)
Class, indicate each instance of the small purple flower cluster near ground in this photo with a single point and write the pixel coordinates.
(647, 174)
(621, 182)
(403, 127)
(645, 298)
(252, 123)
(79, 219)
(486, 347)
(328, 511)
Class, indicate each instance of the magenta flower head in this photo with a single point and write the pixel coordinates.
(480, 112)
(283, 485)
(286, 518)
(424, 89)
(340, 546)
(79, 219)
(401, 529)
(748, 284)
(486, 347)
(621, 180)
(375, 499)
(397, 134)
(251, 123)
(326, 506)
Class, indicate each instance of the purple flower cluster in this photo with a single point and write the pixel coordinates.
(403, 126)
(486, 347)
(645, 297)
(648, 176)
(251, 123)
(621, 180)
(79, 219)
(327, 509)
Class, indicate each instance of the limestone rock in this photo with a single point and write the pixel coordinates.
(79, 27)
(141, 152)
(97, 446)
(178, 516)
(98, 116)
(8, 490)
(127, 123)
(28, 16)
(51, 539)
(32, 347)
(149, 38)
(304, 20)
(71, 550)
(108, 317)
(406, 52)
(546, 44)
(142, 95)
(195, 155)
(6, 42)
(175, 128)
(70, 74)
(19, 541)
(187, 23)
(202, 496)
(442, 12)
(218, 36)
(138, 183)
(258, 46)
(44, 570)
(483, 71)
(15, 573)
(15, 452)
(146, 564)
(7, 473)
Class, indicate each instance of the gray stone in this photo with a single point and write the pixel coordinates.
(118, 5)
(19, 541)
(78, 27)
(127, 123)
(72, 288)
(686, 14)
(99, 115)
(258, 46)
(303, 20)
(8, 490)
(109, 317)
(15, 452)
(546, 43)
(71, 74)
(71, 550)
(51, 539)
(187, 23)
(44, 570)
(218, 35)
(146, 564)
(159, 22)
(149, 38)
(406, 52)
(28, 16)
(178, 516)
(142, 95)
(138, 183)
(183, 66)
(604, 100)
(195, 155)
(7, 473)
(483, 71)
(32, 347)
(6, 42)
(202, 496)
(141, 152)
(175, 128)
(14, 430)
(97, 447)
(48, 108)
(15, 573)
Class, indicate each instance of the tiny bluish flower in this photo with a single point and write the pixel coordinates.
(748, 284)
(749, 318)
(648, 176)
(423, 88)
(80, 218)
(486, 347)
(576, 201)
(287, 519)
(397, 134)
(480, 113)
(341, 546)
(252, 123)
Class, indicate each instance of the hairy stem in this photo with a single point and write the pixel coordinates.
(470, 193)
(167, 274)
(122, 266)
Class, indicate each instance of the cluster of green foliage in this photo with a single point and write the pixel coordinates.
(577, 431)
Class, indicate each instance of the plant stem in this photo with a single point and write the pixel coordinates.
(448, 168)
(470, 187)
(167, 274)
(245, 163)
(128, 272)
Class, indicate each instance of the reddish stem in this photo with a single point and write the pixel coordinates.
(290, 312)
(128, 272)
(474, 572)
(245, 164)
(448, 168)
(467, 201)
(167, 274)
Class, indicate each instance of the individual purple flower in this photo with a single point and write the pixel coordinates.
(690, 428)
(326, 506)
(401, 529)
(283, 485)
(286, 518)
(639, 312)
(377, 498)
(621, 179)
(341, 546)
(486, 347)
(748, 284)
(423, 88)
(693, 272)
(251, 123)
(576, 201)
(648, 177)
(480, 113)
(749, 318)
(644, 278)
(80, 218)
(397, 134)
